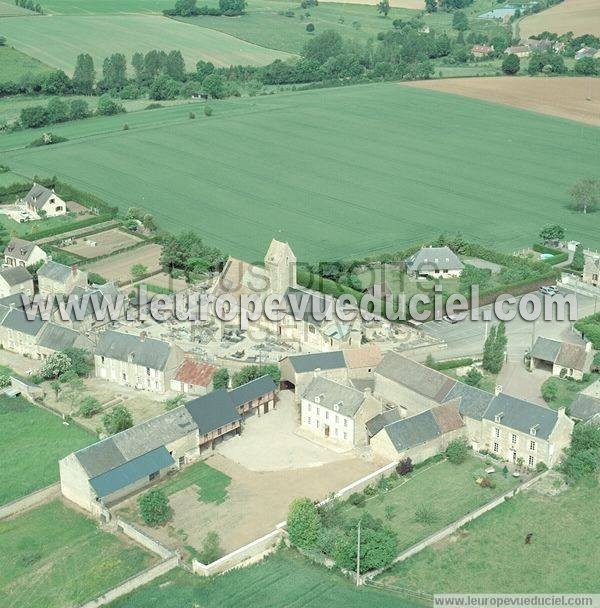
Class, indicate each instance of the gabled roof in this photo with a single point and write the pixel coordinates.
(367, 356)
(196, 373)
(16, 319)
(415, 430)
(565, 354)
(212, 411)
(59, 337)
(55, 271)
(19, 249)
(334, 396)
(546, 349)
(38, 196)
(434, 258)
(448, 417)
(584, 407)
(312, 362)
(522, 415)
(147, 352)
(472, 401)
(313, 307)
(15, 275)
(378, 422)
(252, 390)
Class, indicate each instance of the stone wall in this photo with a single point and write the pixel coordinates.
(31, 500)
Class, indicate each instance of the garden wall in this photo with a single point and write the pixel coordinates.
(31, 500)
(142, 539)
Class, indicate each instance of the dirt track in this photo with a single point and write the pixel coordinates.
(574, 98)
(577, 16)
(417, 5)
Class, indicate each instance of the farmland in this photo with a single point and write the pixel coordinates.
(9, 9)
(39, 439)
(577, 16)
(282, 579)
(105, 242)
(54, 557)
(118, 267)
(37, 37)
(338, 172)
(14, 64)
(489, 554)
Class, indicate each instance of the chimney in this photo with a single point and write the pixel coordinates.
(74, 269)
(498, 389)
(143, 336)
(368, 391)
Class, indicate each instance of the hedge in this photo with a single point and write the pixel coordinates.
(558, 256)
(327, 286)
(68, 227)
(451, 363)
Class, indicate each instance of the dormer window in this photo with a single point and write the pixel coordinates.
(318, 398)
(336, 406)
(498, 417)
(533, 430)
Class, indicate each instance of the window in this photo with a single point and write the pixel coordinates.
(335, 431)
(513, 438)
(317, 411)
(124, 376)
(532, 446)
(317, 424)
(308, 420)
(311, 329)
(102, 359)
(326, 415)
(181, 461)
(497, 432)
(219, 431)
(496, 447)
(345, 421)
(147, 371)
(308, 407)
(531, 461)
(337, 418)
(345, 436)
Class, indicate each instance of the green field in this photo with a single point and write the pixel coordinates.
(10, 9)
(211, 483)
(14, 64)
(336, 172)
(282, 579)
(54, 557)
(489, 555)
(449, 489)
(100, 36)
(38, 440)
(107, 7)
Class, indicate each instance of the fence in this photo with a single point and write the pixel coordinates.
(31, 500)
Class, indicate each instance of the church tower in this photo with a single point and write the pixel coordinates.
(280, 264)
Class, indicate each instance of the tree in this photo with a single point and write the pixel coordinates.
(74, 391)
(58, 110)
(89, 406)
(203, 69)
(180, 250)
(323, 46)
(551, 233)
(81, 360)
(148, 222)
(221, 378)
(473, 377)
(213, 85)
(488, 349)
(585, 195)
(303, 523)
(549, 390)
(211, 548)
(55, 365)
(164, 87)
(405, 466)
(79, 109)
(114, 72)
(175, 66)
(494, 349)
(431, 6)
(457, 451)
(511, 64)
(138, 272)
(252, 372)
(173, 402)
(586, 66)
(460, 21)
(232, 8)
(578, 258)
(107, 106)
(84, 75)
(154, 507)
(137, 62)
(56, 83)
(310, 28)
(56, 386)
(33, 117)
(118, 420)
(582, 457)
(383, 7)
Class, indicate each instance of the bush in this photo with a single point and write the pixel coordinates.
(154, 507)
(47, 139)
(211, 548)
(473, 377)
(540, 467)
(457, 451)
(405, 466)
(310, 28)
(549, 390)
(89, 406)
(207, 110)
(303, 523)
(4, 380)
(118, 420)
(357, 499)
(221, 378)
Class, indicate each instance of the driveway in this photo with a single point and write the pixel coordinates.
(515, 380)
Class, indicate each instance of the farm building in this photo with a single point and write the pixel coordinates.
(481, 50)
(561, 358)
(57, 279)
(42, 202)
(254, 397)
(15, 280)
(434, 262)
(138, 361)
(19, 252)
(193, 377)
(521, 51)
(587, 51)
(584, 407)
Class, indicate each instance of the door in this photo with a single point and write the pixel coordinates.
(326, 430)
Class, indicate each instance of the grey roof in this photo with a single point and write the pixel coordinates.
(212, 411)
(147, 352)
(415, 376)
(522, 415)
(584, 407)
(334, 396)
(546, 349)
(252, 390)
(312, 305)
(38, 195)
(54, 271)
(17, 320)
(381, 420)
(415, 430)
(312, 362)
(565, 354)
(93, 298)
(59, 337)
(19, 249)
(14, 275)
(434, 258)
(14, 300)
(131, 471)
(472, 401)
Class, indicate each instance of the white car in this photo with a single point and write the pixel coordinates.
(549, 290)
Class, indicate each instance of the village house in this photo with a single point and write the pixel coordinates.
(18, 334)
(16, 280)
(57, 279)
(138, 361)
(587, 51)
(336, 413)
(521, 51)
(434, 262)
(561, 358)
(193, 377)
(87, 304)
(54, 337)
(20, 252)
(481, 50)
(543, 45)
(42, 202)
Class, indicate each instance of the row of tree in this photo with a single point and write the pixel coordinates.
(189, 8)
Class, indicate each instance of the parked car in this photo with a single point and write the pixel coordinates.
(549, 290)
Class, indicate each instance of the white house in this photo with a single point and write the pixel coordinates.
(20, 252)
(434, 262)
(15, 280)
(42, 202)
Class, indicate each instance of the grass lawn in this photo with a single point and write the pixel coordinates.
(449, 489)
(282, 579)
(54, 557)
(490, 556)
(38, 440)
(567, 390)
(30, 228)
(14, 63)
(102, 35)
(323, 171)
(211, 484)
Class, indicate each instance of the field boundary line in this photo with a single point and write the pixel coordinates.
(29, 501)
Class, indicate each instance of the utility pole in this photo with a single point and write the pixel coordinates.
(358, 556)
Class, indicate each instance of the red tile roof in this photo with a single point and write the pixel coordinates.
(196, 373)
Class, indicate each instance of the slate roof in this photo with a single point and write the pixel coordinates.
(381, 420)
(17, 320)
(334, 396)
(19, 249)
(522, 415)
(312, 306)
(14, 275)
(546, 349)
(415, 376)
(54, 271)
(38, 195)
(565, 354)
(252, 390)
(415, 430)
(149, 352)
(196, 373)
(433, 258)
(212, 411)
(131, 471)
(472, 401)
(14, 300)
(584, 407)
(59, 337)
(312, 362)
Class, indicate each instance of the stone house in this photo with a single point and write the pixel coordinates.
(361, 362)
(57, 279)
(20, 252)
(254, 397)
(584, 407)
(336, 413)
(18, 334)
(43, 202)
(434, 262)
(16, 280)
(86, 301)
(138, 361)
(561, 358)
(193, 377)
(54, 337)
